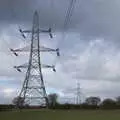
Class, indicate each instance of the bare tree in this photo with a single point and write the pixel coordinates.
(18, 101)
(93, 100)
(108, 103)
(118, 100)
(52, 98)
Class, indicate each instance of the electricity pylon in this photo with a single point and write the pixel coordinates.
(78, 97)
(33, 90)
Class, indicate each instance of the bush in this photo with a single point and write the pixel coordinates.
(6, 107)
(109, 104)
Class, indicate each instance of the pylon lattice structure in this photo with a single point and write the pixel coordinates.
(78, 97)
(33, 90)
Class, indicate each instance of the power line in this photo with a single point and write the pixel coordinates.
(69, 14)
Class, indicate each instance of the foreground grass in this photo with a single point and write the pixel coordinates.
(60, 115)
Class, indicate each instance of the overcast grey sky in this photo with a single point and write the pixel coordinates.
(89, 53)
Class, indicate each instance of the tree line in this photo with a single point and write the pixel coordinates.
(90, 103)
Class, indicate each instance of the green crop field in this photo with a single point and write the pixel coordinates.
(61, 115)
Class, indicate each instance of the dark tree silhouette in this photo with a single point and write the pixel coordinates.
(93, 101)
(52, 98)
(118, 100)
(108, 104)
(18, 101)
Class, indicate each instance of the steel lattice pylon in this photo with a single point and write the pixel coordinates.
(33, 89)
(78, 97)
(34, 75)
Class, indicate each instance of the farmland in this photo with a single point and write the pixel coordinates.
(61, 115)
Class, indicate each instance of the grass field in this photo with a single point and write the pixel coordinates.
(60, 115)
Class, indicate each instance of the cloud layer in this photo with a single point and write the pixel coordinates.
(89, 51)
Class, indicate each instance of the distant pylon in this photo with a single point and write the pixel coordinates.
(33, 90)
(78, 94)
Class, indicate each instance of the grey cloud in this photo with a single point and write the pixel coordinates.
(96, 18)
(21, 11)
(92, 20)
(95, 61)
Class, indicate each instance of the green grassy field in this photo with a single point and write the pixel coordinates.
(60, 115)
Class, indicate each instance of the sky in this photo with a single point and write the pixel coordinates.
(90, 50)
